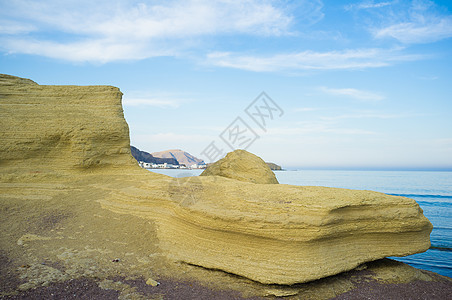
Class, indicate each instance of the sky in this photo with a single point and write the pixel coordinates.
(304, 84)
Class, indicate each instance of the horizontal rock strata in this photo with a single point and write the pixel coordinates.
(276, 233)
(61, 128)
(270, 233)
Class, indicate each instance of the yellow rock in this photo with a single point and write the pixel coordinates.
(270, 233)
(59, 129)
(152, 282)
(31, 237)
(278, 233)
(242, 165)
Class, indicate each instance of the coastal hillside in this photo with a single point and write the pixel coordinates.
(149, 158)
(184, 158)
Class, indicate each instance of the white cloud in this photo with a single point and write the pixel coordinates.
(172, 137)
(305, 109)
(90, 50)
(102, 31)
(353, 93)
(369, 115)
(316, 128)
(11, 27)
(310, 60)
(309, 12)
(428, 77)
(418, 32)
(160, 99)
(368, 5)
(421, 23)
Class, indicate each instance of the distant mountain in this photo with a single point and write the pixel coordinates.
(184, 158)
(274, 166)
(149, 158)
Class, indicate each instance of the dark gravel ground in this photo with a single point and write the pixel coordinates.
(72, 289)
(440, 290)
(88, 289)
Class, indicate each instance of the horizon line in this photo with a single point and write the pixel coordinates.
(368, 168)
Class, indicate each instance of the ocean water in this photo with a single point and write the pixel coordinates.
(432, 190)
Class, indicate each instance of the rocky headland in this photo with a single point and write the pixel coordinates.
(274, 166)
(146, 157)
(183, 157)
(80, 216)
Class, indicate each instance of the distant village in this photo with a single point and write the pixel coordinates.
(169, 159)
(175, 159)
(146, 165)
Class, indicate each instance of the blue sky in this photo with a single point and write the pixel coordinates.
(362, 84)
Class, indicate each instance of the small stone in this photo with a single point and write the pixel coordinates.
(361, 267)
(152, 282)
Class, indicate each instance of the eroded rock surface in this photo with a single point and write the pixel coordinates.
(243, 166)
(277, 233)
(61, 129)
(65, 149)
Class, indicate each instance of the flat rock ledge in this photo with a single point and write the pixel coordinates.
(277, 234)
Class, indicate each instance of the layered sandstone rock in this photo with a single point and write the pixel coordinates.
(242, 165)
(276, 233)
(61, 128)
(269, 233)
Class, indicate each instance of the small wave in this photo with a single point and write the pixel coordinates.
(442, 228)
(440, 248)
(436, 204)
(422, 196)
(415, 263)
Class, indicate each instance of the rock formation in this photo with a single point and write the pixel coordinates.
(243, 166)
(278, 233)
(273, 166)
(59, 128)
(71, 195)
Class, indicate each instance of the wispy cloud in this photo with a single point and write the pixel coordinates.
(422, 22)
(365, 115)
(418, 32)
(101, 31)
(428, 77)
(14, 27)
(156, 99)
(317, 128)
(353, 93)
(368, 5)
(305, 109)
(311, 60)
(311, 11)
(173, 137)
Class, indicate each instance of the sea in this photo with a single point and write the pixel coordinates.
(432, 191)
